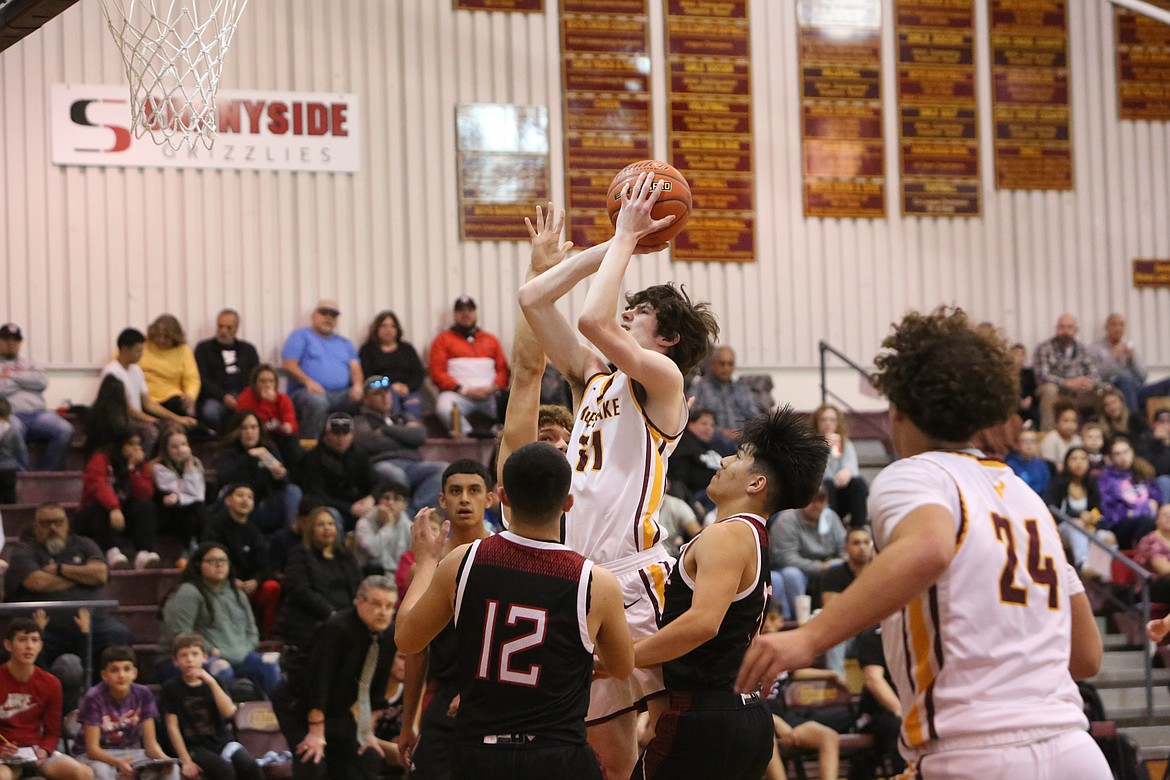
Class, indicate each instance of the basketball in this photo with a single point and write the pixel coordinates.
(675, 198)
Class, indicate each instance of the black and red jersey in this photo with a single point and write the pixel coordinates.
(525, 655)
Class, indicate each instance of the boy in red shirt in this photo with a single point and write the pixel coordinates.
(30, 712)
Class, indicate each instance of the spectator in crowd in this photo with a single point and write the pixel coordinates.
(321, 578)
(1027, 463)
(282, 543)
(1118, 363)
(804, 543)
(1118, 420)
(181, 488)
(172, 377)
(701, 448)
(1028, 409)
(197, 709)
(22, 384)
(208, 602)
(117, 719)
(393, 443)
(469, 369)
(116, 508)
(249, 457)
(383, 534)
(847, 488)
(275, 410)
(143, 409)
(1074, 492)
(1093, 440)
(1129, 497)
(1154, 446)
(339, 473)
(678, 522)
(323, 369)
(732, 402)
(1153, 552)
(247, 549)
(108, 419)
(13, 453)
(55, 565)
(387, 354)
(1064, 368)
(834, 581)
(1063, 435)
(225, 365)
(31, 717)
(326, 718)
(879, 709)
(794, 732)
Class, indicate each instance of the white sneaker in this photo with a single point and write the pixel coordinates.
(145, 559)
(116, 559)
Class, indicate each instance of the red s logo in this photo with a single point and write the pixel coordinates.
(77, 112)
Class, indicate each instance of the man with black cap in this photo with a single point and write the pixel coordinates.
(339, 473)
(469, 369)
(23, 383)
(393, 444)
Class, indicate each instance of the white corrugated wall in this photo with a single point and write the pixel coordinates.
(87, 251)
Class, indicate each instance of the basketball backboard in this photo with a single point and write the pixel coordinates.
(19, 18)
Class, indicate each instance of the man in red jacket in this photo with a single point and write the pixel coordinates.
(469, 369)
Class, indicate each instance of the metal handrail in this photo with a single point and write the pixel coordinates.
(60, 606)
(826, 393)
(1143, 577)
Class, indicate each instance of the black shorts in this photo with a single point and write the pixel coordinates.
(525, 762)
(436, 738)
(707, 735)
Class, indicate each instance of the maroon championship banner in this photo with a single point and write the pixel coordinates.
(844, 162)
(1151, 274)
(530, 6)
(605, 83)
(1143, 64)
(709, 109)
(938, 135)
(1030, 94)
(502, 167)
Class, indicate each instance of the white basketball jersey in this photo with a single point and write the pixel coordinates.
(981, 657)
(619, 460)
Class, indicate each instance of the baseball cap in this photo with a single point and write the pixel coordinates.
(328, 306)
(464, 302)
(339, 422)
(11, 330)
(375, 383)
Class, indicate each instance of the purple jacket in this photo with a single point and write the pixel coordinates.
(1124, 496)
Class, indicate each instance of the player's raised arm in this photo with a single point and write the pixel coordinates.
(551, 276)
(430, 601)
(599, 319)
(607, 623)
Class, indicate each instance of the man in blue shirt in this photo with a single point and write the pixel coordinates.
(323, 369)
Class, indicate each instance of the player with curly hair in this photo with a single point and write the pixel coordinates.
(985, 625)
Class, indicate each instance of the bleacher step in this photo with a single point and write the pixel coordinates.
(1153, 741)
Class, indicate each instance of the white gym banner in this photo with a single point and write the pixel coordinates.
(257, 130)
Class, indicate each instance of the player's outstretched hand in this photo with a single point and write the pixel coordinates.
(771, 654)
(425, 543)
(547, 249)
(1156, 630)
(635, 218)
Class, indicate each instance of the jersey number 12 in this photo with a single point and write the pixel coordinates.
(535, 638)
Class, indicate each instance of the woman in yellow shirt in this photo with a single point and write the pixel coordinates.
(172, 378)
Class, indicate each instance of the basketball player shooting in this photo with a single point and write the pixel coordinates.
(627, 424)
(984, 622)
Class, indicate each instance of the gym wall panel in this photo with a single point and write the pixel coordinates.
(87, 251)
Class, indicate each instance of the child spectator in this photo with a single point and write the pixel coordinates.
(30, 721)
(383, 534)
(1028, 464)
(196, 710)
(1118, 420)
(117, 718)
(1129, 497)
(1074, 492)
(1093, 440)
(13, 453)
(247, 455)
(275, 410)
(880, 711)
(247, 549)
(389, 723)
(182, 490)
(116, 505)
(1063, 437)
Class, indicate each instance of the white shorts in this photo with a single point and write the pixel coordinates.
(643, 596)
(1070, 755)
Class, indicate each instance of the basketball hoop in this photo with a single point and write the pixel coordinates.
(173, 52)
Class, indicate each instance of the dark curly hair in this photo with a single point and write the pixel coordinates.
(790, 455)
(950, 380)
(693, 323)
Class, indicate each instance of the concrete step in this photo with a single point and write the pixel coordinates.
(1126, 677)
(871, 452)
(1116, 642)
(1127, 706)
(1153, 741)
(1123, 659)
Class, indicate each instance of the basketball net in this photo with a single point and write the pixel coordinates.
(173, 52)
